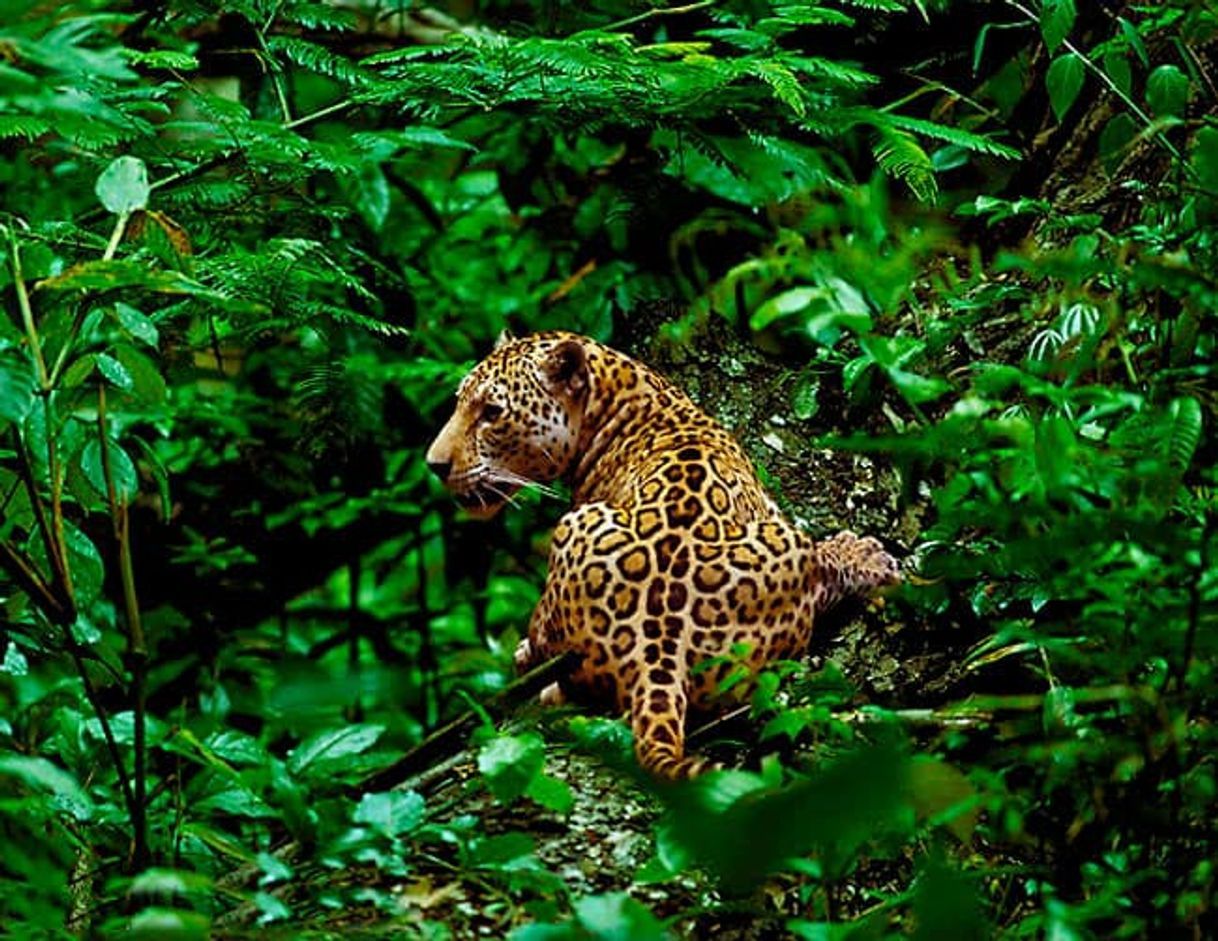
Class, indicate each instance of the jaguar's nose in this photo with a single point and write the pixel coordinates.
(441, 469)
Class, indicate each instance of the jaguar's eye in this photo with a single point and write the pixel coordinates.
(491, 412)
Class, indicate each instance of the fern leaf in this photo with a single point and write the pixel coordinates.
(321, 16)
(900, 155)
(318, 59)
(22, 125)
(953, 135)
(1184, 434)
(784, 84)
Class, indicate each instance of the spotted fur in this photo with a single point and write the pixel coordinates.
(672, 553)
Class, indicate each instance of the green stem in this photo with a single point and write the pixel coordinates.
(27, 312)
(649, 14)
(116, 236)
(137, 649)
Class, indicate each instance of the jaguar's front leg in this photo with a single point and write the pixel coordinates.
(529, 655)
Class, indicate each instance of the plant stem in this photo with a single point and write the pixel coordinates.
(1194, 601)
(669, 11)
(137, 649)
(27, 312)
(116, 236)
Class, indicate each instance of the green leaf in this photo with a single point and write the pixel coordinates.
(805, 400)
(1056, 21)
(41, 775)
(741, 829)
(784, 305)
(136, 323)
(1116, 67)
(1117, 134)
(1204, 158)
(509, 763)
(1167, 91)
(1064, 81)
(147, 383)
(325, 747)
(551, 793)
(615, 916)
(126, 480)
(504, 849)
(900, 155)
(114, 371)
(80, 370)
(1134, 38)
(369, 191)
(17, 386)
(391, 813)
(1185, 434)
(123, 186)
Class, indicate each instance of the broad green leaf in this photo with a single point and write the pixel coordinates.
(167, 924)
(1185, 432)
(333, 744)
(169, 882)
(1056, 21)
(1204, 157)
(123, 186)
(147, 383)
(1116, 67)
(805, 400)
(617, 917)
(947, 904)
(504, 849)
(237, 747)
(741, 829)
(1134, 38)
(1117, 134)
(122, 470)
(1064, 81)
(114, 371)
(551, 793)
(136, 323)
(41, 775)
(784, 305)
(509, 763)
(17, 386)
(391, 813)
(1167, 91)
(369, 192)
(80, 370)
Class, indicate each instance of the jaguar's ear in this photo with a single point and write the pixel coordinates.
(566, 368)
(505, 336)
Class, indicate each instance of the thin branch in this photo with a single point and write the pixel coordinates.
(649, 14)
(137, 649)
(27, 312)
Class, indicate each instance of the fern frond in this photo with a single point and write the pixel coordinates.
(315, 58)
(899, 155)
(22, 125)
(321, 16)
(978, 143)
(1184, 433)
(784, 84)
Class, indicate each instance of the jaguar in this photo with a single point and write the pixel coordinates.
(672, 559)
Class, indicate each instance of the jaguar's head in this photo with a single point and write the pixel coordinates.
(516, 423)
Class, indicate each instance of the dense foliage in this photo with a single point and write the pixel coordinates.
(251, 247)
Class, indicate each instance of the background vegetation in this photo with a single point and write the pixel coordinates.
(251, 247)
